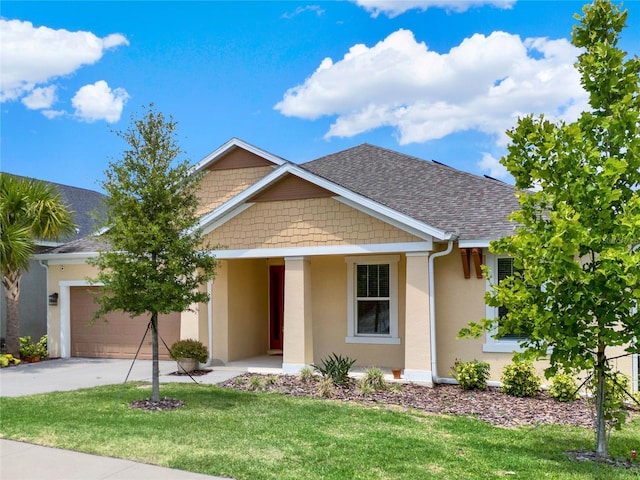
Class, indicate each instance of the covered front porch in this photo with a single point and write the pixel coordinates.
(280, 314)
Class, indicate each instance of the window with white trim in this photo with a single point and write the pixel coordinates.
(502, 268)
(372, 299)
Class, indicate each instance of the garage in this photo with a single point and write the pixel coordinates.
(120, 335)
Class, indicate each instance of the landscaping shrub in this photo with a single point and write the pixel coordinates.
(336, 367)
(306, 375)
(255, 383)
(471, 375)
(33, 350)
(189, 349)
(326, 387)
(519, 379)
(374, 379)
(563, 388)
(7, 359)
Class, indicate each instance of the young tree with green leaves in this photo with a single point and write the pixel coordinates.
(30, 210)
(156, 261)
(576, 285)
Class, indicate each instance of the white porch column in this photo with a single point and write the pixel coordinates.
(417, 339)
(298, 330)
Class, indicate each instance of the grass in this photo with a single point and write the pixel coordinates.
(257, 435)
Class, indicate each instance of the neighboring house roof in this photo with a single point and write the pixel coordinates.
(473, 207)
(82, 203)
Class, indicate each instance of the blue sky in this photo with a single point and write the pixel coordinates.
(437, 79)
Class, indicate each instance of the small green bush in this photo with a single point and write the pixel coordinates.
(336, 367)
(189, 349)
(364, 387)
(31, 349)
(7, 359)
(563, 388)
(326, 387)
(256, 382)
(471, 375)
(306, 375)
(519, 379)
(374, 379)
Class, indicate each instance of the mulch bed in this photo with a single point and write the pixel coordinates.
(195, 373)
(159, 406)
(490, 405)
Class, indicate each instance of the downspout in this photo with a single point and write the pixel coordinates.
(46, 267)
(210, 320)
(432, 309)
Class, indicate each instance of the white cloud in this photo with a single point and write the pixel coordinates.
(99, 102)
(493, 166)
(32, 56)
(40, 98)
(51, 114)
(309, 8)
(483, 84)
(393, 8)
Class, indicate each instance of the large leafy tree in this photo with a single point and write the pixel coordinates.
(30, 210)
(155, 263)
(577, 279)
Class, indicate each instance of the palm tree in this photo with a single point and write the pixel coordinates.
(29, 210)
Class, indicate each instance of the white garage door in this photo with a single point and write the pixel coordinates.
(120, 335)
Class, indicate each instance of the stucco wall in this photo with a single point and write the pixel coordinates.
(248, 308)
(304, 223)
(218, 186)
(459, 301)
(329, 280)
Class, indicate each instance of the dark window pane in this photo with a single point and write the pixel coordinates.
(362, 274)
(372, 281)
(373, 317)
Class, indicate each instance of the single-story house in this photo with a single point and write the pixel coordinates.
(366, 252)
(33, 285)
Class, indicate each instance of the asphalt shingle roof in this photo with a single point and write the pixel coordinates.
(468, 205)
(82, 203)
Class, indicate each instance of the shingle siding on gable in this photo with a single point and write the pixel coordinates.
(218, 186)
(452, 200)
(304, 223)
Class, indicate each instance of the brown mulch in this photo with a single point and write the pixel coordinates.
(195, 373)
(490, 405)
(159, 406)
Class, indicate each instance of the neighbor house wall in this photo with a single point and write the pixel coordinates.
(32, 304)
(68, 272)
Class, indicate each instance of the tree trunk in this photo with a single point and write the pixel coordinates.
(11, 283)
(601, 427)
(155, 382)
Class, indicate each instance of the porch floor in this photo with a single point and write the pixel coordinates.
(272, 364)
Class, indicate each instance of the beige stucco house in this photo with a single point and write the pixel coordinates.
(366, 252)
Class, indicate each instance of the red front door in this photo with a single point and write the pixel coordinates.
(276, 306)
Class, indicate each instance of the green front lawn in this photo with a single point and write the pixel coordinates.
(270, 436)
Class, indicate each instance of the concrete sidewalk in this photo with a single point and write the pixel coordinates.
(75, 373)
(26, 461)
(32, 462)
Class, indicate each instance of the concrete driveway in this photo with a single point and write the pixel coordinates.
(74, 373)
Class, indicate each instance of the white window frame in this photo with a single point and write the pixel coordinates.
(392, 337)
(496, 345)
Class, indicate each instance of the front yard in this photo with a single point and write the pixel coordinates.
(263, 435)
